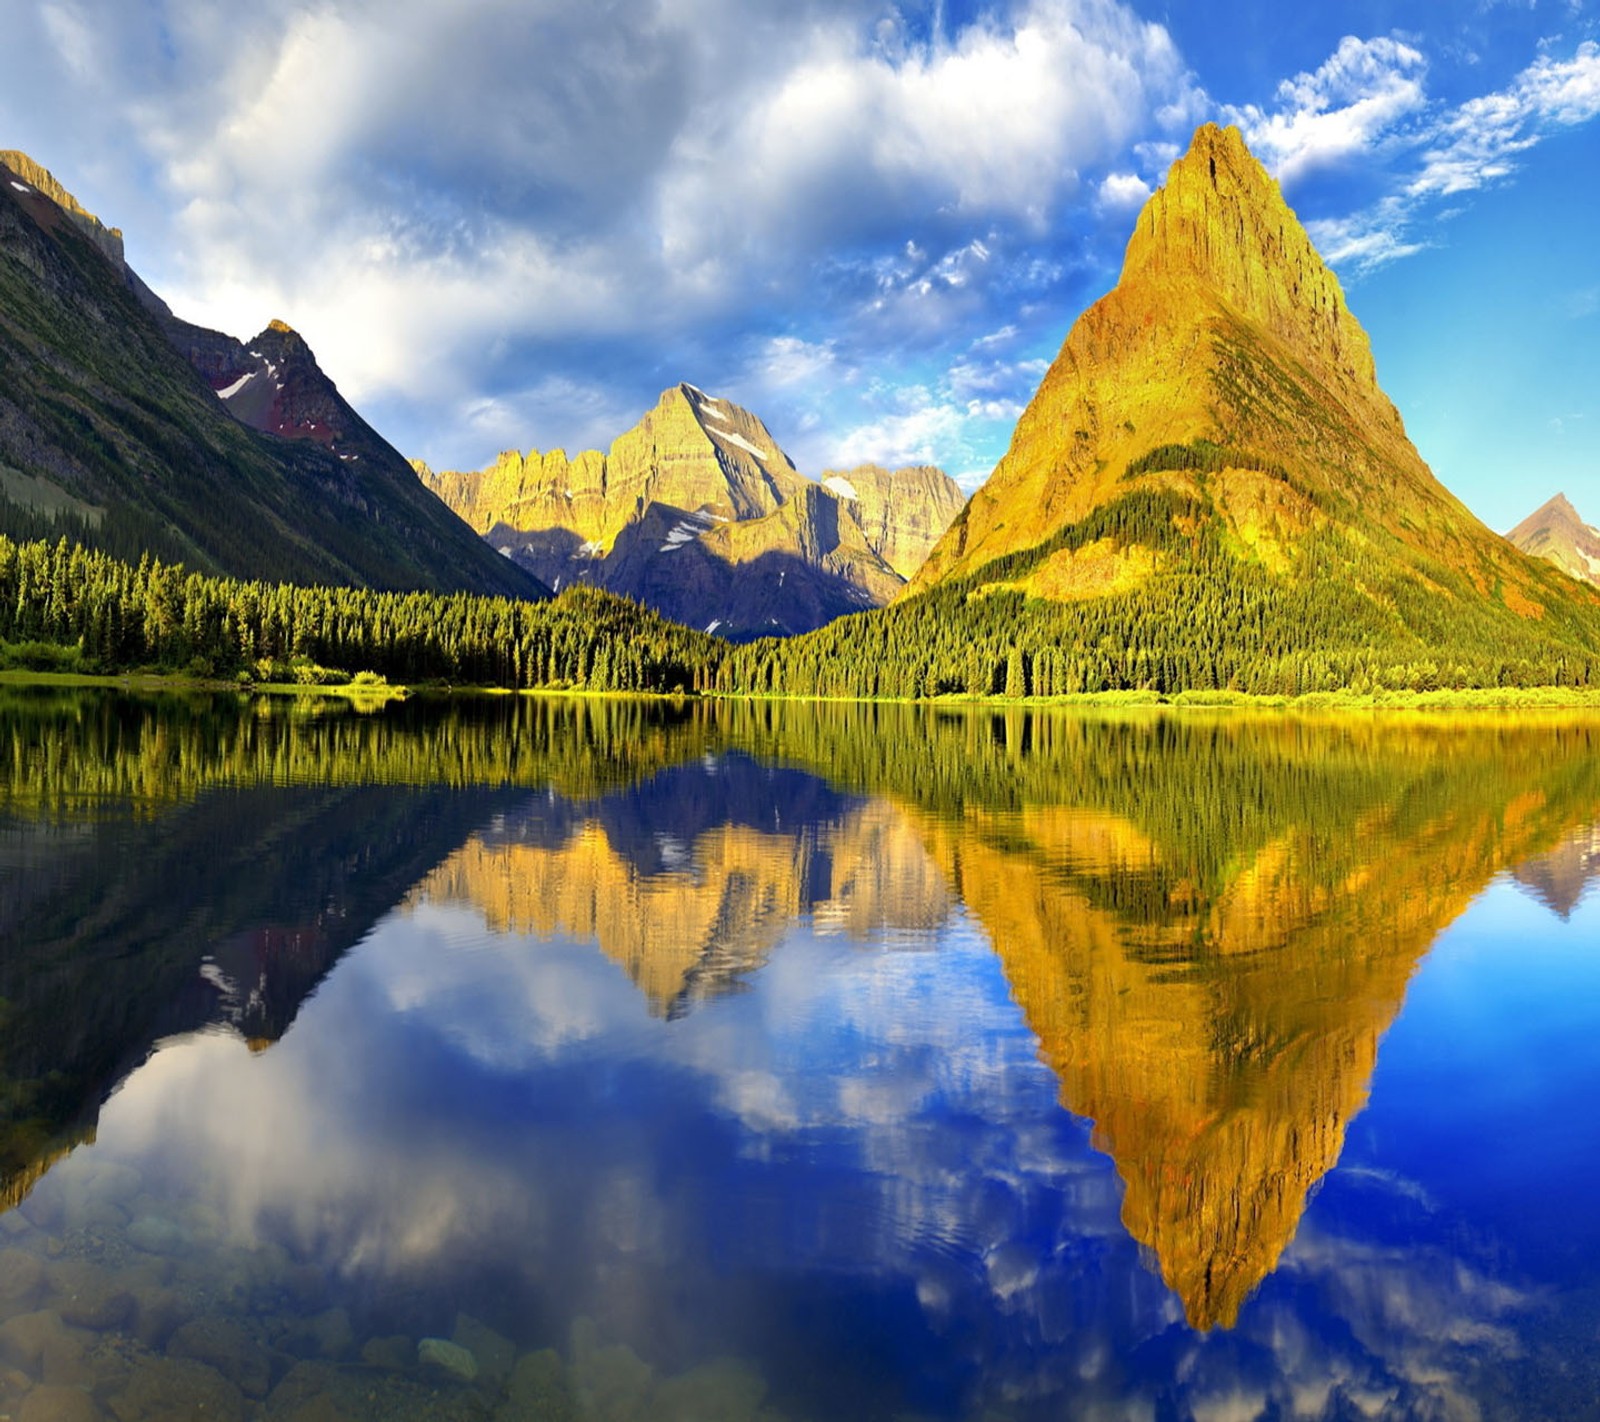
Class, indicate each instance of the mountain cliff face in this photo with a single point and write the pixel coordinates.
(134, 431)
(1557, 533)
(902, 513)
(1218, 415)
(698, 513)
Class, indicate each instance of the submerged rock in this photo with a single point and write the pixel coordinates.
(159, 1389)
(725, 1390)
(59, 1404)
(46, 1348)
(89, 1296)
(539, 1391)
(494, 1352)
(155, 1235)
(612, 1382)
(324, 1335)
(21, 1279)
(229, 1349)
(395, 1353)
(448, 1357)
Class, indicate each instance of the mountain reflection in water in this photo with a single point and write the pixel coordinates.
(799, 1105)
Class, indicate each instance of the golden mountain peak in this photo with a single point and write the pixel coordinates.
(1220, 226)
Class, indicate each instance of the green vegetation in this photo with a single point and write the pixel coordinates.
(1203, 456)
(66, 609)
(1355, 615)
(109, 438)
(1353, 622)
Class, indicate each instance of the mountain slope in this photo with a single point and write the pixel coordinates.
(108, 433)
(1557, 532)
(1209, 489)
(698, 513)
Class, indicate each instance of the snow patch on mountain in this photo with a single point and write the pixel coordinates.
(731, 438)
(842, 487)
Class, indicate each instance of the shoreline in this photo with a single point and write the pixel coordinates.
(1461, 699)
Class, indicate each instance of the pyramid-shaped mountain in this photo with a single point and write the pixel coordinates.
(1556, 532)
(698, 513)
(1211, 489)
(134, 431)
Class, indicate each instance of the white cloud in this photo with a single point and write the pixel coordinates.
(1339, 111)
(1369, 102)
(788, 360)
(446, 212)
(1480, 141)
(71, 36)
(919, 433)
(1365, 241)
(1124, 191)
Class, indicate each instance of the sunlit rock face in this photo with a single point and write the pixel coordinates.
(697, 512)
(902, 513)
(1226, 366)
(107, 239)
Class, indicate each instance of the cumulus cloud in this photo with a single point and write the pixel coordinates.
(1124, 190)
(1369, 102)
(456, 204)
(501, 224)
(1339, 111)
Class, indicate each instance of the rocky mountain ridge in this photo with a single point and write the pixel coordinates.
(699, 513)
(131, 430)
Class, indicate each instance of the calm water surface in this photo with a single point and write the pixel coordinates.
(724, 1063)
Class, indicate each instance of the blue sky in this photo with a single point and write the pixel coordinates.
(512, 224)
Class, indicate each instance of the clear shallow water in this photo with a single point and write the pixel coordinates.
(813, 1064)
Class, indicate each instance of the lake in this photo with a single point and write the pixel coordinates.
(515, 1059)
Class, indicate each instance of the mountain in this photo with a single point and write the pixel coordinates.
(1209, 489)
(698, 513)
(1557, 532)
(135, 431)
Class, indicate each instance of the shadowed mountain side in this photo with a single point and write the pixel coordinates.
(118, 942)
(688, 881)
(109, 435)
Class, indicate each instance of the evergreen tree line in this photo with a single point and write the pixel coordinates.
(65, 606)
(1355, 616)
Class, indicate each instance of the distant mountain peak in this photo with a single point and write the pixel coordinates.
(1556, 532)
(699, 513)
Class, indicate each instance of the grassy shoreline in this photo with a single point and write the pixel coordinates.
(1464, 699)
